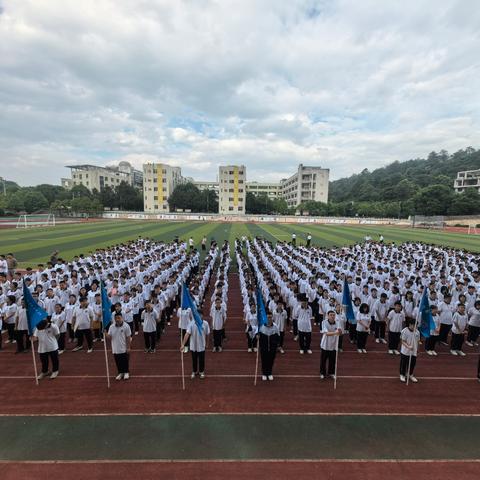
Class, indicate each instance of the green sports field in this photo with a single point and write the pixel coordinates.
(35, 245)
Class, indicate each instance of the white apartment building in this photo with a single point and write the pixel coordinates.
(95, 177)
(272, 190)
(232, 193)
(309, 183)
(159, 181)
(467, 179)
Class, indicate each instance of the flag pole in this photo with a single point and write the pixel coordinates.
(106, 358)
(34, 359)
(256, 362)
(183, 371)
(181, 343)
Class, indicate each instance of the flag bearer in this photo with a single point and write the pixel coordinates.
(269, 337)
(410, 338)
(331, 334)
(197, 335)
(47, 333)
(21, 328)
(120, 335)
(184, 318)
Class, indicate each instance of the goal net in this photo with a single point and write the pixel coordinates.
(434, 222)
(40, 220)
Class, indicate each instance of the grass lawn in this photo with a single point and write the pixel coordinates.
(35, 245)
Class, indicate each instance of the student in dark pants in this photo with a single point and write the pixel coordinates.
(121, 337)
(331, 334)
(196, 337)
(269, 337)
(410, 338)
(363, 327)
(47, 333)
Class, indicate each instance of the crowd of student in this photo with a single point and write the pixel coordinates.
(301, 287)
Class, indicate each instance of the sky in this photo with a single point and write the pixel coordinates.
(342, 84)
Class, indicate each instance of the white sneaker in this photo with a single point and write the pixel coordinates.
(377, 340)
(60, 352)
(192, 375)
(202, 374)
(332, 376)
(185, 349)
(462, 354)
(413, 379)
(390, 352)
(119, 376)
(402, 378)
(76, 349)
(42, 375)
(383, 341)
(90, 350)
(214, 349)
(453, 352)
(270, 377)
(434, 353)
(429, 352)
(219, 349)
(396, 352)
(249, 350)
(309, 352)
(322, 376)
(264, 377)
(255, 350)
(8, 341)
(126, 376)
(54, 375)
(363, 350)
(359, 350)
(136, 333)
(470, 344)
(281, 350)
(295, 338)
(301, 352)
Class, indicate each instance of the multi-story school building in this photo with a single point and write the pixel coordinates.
(232, 189)
(467, 179)
(159, 181)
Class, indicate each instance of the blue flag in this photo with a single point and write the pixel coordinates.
(425, 317)
(106, 307)
(187, 302)
(35, 313)
(347, 302)
(261, 313)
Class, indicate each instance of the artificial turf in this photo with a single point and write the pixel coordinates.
(35, 245)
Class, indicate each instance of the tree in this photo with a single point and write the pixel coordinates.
(15, 202)
(186, 197)
(433, 200)
(34, 201)
(50, 192)
(465, 203)
(128, 197)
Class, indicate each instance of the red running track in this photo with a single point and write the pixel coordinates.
(367, 383)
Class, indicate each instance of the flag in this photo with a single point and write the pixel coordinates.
(187, 302)
(347, 302)
(261, 313)
(106, 307)
(35, 313)
(425, 318)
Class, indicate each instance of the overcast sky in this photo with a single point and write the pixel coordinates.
(344, 84)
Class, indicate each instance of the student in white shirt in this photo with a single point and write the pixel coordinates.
(251, 328)
(21, 328)
(459, 324)
(363, 327)
(395, 321)
(218, 316)
(473, 324)
(198, 342)
(185, 316)
(9, 315)
(268, 337)
(331, 332)
(304, 318)
(380, 311)
(445, 310)
(59, 319)
(279, 318)
(431, 341)
(121, 338)
(82, 324)
(410, 338)
(47, 333)
(150, 320)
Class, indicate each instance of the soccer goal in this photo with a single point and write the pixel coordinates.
(40, 220)
(473, 230)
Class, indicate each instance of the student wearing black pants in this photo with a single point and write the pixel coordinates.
(47, 333)
(196, 337)
(150, 339)
(331, 334)
(87, 334)
(304, 340)
(269, 337)
(410, 338)
(120, 335)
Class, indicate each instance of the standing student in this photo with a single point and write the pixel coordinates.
(304, 327)
(380, 312)
(331, 331)
(9, 315)
(363, 327)
(445, 310)
(97, 322)
(294, 239)
(251, 328)
(279, 317)
(204, 243)
(459, 324)
(58, 318)
(47, 333)
(83, 317)
(150, 320)
(218, 317)
(21, 328)
(120, 335)
(185, 316)
(431, 341)
(309, 240)
(410, 338)
(269, 337)
(341, 320)
(198, 343)
(473, 324)
(395, 321)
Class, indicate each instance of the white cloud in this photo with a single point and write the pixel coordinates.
(343, 84)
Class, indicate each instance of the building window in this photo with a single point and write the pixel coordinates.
(240, 208)
(155, 197)
(230, 209)
(230, 199)
(164, 189)
(155, 189)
